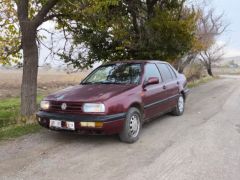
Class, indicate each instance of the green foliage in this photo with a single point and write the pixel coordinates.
(9, 33)
(128, 31)
(167, 37)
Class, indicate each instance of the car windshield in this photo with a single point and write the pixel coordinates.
(121, 73)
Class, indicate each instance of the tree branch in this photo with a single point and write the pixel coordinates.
(39, 18)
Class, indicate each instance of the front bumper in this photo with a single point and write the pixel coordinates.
(112, 124)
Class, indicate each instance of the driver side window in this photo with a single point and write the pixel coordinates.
(151, 71)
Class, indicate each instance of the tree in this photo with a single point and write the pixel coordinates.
(209, 28)
(210, 56)
(152, 29)
(212, 26)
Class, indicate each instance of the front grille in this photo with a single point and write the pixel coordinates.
(72, 107)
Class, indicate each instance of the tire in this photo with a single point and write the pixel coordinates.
(179, 109)
(132, 126)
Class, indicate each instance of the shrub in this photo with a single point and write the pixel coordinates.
(194, 71)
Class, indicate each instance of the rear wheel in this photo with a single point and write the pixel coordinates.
(179, 109)
(132, 126)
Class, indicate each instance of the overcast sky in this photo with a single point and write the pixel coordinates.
(231, 9)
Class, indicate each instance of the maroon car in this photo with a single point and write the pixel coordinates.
(116, 98)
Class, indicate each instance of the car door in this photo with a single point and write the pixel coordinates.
(153, 95)
(171, 84)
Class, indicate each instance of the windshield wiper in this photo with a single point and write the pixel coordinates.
(85, 83)
(109, 82)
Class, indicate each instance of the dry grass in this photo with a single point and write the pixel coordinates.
(48, 81)
(194, 72)
(200, 81)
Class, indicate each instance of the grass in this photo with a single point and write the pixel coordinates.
(200, 81)
(9, 115)
(9, 111)
(14, 131)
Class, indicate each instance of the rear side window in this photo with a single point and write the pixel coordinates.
(165, 72)
(151, 71)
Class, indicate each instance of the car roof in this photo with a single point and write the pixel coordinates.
(136, 61)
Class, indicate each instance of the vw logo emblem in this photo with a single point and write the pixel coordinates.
(64, 106)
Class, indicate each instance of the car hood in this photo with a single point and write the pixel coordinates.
(89, 93)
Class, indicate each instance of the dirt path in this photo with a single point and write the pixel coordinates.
(204, 143)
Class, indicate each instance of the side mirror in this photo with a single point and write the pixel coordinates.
(151, 80)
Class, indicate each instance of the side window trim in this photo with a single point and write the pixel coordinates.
(162, 81)
(165, 64)
(172, 71)
(168, 67)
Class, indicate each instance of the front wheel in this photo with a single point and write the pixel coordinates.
(132, 126)
(179, 109)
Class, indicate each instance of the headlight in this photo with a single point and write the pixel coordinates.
(44, 105)
(93, 107)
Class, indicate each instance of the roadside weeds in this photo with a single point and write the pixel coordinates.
(15, 131)
(200, 81)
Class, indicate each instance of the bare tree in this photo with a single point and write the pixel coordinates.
(209, 28)
(210, 56)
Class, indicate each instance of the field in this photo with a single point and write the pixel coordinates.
(48, 81)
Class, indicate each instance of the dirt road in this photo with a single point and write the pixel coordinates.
(204, 143)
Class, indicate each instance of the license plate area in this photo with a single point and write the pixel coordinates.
(60, 124)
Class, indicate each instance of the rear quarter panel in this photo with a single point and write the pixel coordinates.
(182, 82)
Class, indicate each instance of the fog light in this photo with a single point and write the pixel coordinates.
(98, 124)
(91, 124)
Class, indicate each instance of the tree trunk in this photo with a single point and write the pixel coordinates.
(209, 71)
(30, 70)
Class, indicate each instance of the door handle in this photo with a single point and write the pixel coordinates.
(164, 87)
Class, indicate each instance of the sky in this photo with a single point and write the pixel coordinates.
(231, 10)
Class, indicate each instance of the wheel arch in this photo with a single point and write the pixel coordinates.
(183, 94)
(138, 106)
